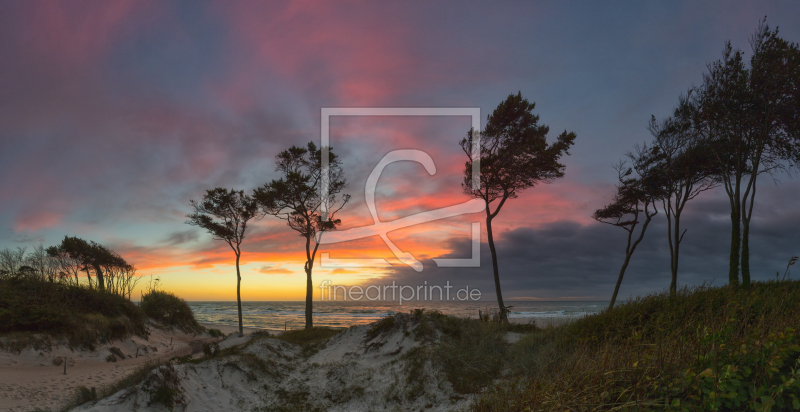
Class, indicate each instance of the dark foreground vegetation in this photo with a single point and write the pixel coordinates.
(707, 348)
(40, 314)
(34, 312)
(169, 310)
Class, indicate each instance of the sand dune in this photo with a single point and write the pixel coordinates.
(36, 379)
(354, 371)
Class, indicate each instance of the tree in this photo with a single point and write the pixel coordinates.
(92, 257)
(686, 169)
(68, 267)
(297, 198)
(11, 261)
(638, 192)
(749, 116)
(44, 266)
(224, 213)
(514, 156)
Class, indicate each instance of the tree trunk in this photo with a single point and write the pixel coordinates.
(733, 271)
(101, 284)
(500, 304)
(619, 280)
(746, 253)
(239, 294)
(309, 299)
(673, 286)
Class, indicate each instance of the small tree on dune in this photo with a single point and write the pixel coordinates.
(514, 156)
(296, 197)
(224, 213)
(638, 192)
(686, 168)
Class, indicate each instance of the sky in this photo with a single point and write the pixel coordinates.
(114, 114)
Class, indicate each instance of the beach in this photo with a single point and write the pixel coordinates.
(36, 379)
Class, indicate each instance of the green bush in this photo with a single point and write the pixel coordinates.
(81, 315)
(170, 311)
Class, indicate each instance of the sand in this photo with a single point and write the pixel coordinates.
(35, 379)
(354, 371)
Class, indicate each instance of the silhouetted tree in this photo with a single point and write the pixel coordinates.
(749, 115)
(514, 156)
(68, 267)
(93, 257)
(638, 191)
(45, 267)
(297, 198)
(11, 261)
(224, 213)
(685, 165)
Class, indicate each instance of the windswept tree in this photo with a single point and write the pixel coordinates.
(634, 204)
(686, 169)
(297, 198)
(514, 156)
(92, 256)
(224, 213)
(69, 267)
(749, 116)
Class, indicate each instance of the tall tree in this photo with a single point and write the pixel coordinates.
(686, 169)
(514, 156)
(638, 192)
(297, 198)
(224, 213)
(750, 117)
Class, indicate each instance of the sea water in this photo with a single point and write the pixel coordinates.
(291, 315)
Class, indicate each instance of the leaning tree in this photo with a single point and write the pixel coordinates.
(224, 213)
(299, 197)
(514, 156)
(639, 190)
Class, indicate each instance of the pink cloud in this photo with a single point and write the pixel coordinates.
(34, 221)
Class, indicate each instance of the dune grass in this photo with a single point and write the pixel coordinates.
(708, 348)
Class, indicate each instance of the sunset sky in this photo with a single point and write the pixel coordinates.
(114, 114)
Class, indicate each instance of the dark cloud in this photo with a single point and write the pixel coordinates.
(567, 259)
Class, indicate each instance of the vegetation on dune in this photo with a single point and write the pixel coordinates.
(706, 348)
(44, 301)
(81, 315)
(169, 310)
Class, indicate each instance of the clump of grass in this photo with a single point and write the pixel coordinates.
(78, 314)
(312, 340)
(216, 333)
(722, 348)
(164, 387)
(169, 310)
(311, 336)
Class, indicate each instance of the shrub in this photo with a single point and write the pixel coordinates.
(169, 310)
(81, 315)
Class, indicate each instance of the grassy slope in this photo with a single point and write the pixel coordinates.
(707, 349)
(80, 315)
(35, 313)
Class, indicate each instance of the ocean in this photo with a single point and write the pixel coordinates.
(291, 315)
